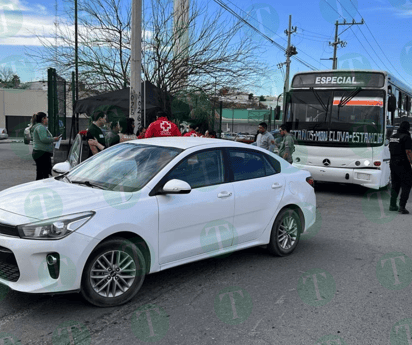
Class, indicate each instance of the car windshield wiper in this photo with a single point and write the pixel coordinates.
(64, 176)
(88, 184)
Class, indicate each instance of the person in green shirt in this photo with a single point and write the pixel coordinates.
(287, 146)
(42, 146)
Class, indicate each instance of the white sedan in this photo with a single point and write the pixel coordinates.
(144, 206)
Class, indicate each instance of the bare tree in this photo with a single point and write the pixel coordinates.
(6, 74)
(217, 52)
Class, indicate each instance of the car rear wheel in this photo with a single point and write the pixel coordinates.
(113, 274)
(285, 234)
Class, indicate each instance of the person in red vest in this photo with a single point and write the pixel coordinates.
(192, 132)
(162, 127)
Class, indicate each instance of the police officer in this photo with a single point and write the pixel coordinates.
(400, 146)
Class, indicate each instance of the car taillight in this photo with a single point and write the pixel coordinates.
(4, 131)
(377, 163)
(311, 181)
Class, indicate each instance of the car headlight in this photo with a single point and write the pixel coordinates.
(54, 228)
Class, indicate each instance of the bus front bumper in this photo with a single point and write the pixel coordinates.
(369, 178)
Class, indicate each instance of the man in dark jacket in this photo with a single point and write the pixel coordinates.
(400, 147)
(94, 132)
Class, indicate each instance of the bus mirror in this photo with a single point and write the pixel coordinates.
(277, 112)
(391, 103)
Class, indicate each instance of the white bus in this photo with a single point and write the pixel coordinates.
(342, 119)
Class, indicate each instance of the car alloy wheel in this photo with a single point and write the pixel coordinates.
(114, 273)
(285, 234)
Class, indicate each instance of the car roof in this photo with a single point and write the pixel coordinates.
(186, 142)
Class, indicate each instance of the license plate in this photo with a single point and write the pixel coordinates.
(364, 176)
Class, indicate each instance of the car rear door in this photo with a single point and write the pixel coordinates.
(259, 187)
(202, 221)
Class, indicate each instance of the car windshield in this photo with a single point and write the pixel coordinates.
(124, 167)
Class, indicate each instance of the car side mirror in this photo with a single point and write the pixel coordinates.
(61, 168)
(176, 187)
(391, 103)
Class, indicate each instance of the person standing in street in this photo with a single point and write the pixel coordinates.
(95, 136)
(400, 147)
(287, 146)
(162, 127)
(264, 138)
(42, 146)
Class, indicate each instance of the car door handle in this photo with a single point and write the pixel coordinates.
(276, 185)
(224, 194)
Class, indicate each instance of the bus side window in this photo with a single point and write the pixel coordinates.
(397, 95)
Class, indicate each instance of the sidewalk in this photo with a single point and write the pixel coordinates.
(11, 140)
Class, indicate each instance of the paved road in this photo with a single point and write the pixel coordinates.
(349, 279)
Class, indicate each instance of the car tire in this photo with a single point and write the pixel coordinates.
(285, 233)
(103, 285)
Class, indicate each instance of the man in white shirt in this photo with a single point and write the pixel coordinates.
(264, 138)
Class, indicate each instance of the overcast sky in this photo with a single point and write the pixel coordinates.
(384, 42)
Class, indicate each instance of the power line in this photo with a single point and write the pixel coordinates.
(350, 27)
(315, 33)
(364, 47)
(234, 13)
(386, 67)
(367, 26)
(311, 39)
(227, 8)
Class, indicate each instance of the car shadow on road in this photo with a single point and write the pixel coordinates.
(340, 189)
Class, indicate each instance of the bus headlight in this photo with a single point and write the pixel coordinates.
(367, 163)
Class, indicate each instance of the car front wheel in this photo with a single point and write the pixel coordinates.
(114, 273)
(285, 234)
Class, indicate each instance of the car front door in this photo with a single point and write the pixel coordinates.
(259, 187)
(202, 221)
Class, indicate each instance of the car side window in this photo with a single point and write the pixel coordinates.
(246, 165)
(200, 169)
(272, 166)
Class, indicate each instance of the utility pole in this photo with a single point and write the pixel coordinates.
(338, 40)
(290, 51)
(76, 66)
(136, 64)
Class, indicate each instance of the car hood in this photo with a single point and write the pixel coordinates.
(52, 198)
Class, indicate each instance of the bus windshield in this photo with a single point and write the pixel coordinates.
(352, 116)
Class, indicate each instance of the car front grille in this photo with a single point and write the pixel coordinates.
(8, 265)
(9, 230)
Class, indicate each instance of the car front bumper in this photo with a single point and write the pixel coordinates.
(27, 260)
